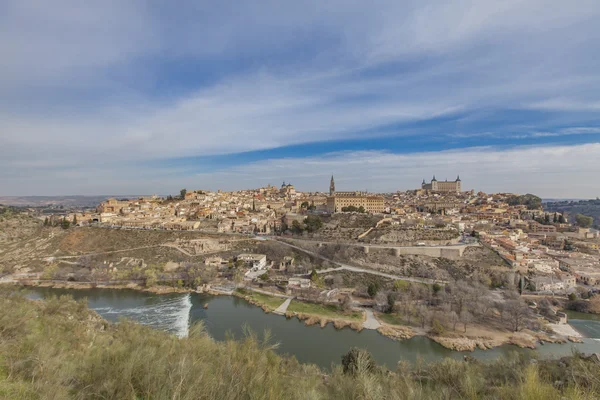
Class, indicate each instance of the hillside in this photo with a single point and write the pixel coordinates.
(586, 207)
(58, 349)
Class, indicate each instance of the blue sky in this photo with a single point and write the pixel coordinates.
(148, 97)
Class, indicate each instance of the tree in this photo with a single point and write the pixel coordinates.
(572, 296)
(313, 223)
(65, 224)
(46, 222)
(584, 221)
(296, 228)
(423, 313)
(561, 219)
(517, 313)
(182, 193)
(391, 301)
(314, 275)
(358, 361)
(547, 219)
(304, 204)
(74, 223)
(454, 318)
(372, 289)
(347, 304)
(466, 317)
(361, 209)
(555, 219)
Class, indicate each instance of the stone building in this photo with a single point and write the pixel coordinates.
(443, 186)
(338, 200)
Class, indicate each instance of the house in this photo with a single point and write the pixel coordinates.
(213, 261)
(254, 261)
(302, 283)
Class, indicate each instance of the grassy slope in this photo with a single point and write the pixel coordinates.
(323, 310)
(57, 349)
(271, 302)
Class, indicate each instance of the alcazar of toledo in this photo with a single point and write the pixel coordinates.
(442, 186)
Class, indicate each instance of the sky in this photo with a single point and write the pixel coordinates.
(143, 97)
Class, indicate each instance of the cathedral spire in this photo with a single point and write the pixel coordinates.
(332, 187)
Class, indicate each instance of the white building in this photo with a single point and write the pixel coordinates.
(254, 261)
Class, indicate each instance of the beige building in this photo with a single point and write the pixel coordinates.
(443, 186)
(371, 204)
(338, 200)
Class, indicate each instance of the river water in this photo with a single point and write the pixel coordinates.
(228, 315)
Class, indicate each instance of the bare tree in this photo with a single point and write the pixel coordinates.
(454, 318)
(423, 314)
(466, 318)
(517, 313)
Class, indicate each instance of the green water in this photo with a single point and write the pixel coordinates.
(228, 315)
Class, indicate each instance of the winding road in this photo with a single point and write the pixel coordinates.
(345, 267)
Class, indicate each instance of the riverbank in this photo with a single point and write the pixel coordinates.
(74, 354)
(309, 313)
(319, 314)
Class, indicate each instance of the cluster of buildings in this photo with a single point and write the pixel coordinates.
(552, 255)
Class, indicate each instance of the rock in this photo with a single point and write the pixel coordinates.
(205, 306)
(574, 339)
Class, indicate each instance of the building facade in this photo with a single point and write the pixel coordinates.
(336, 201)
(443, 186)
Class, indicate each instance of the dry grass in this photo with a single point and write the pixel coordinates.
(58, 349)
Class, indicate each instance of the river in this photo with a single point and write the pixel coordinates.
(309, 344)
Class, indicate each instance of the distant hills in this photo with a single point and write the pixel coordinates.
(65, 201)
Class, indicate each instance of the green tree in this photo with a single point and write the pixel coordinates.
(46, 222)
(74, 223)
(372, 289)
(555, 219)
(65, 224)
(391, 300)
(296, 228)
(561, 219)
(361, 209)
(313, 223)
(584, 221)
(182, 193)
(314, 275)
(304, 204)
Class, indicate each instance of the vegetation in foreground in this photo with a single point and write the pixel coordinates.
(58, 349)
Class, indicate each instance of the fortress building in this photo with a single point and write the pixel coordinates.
(443, 186)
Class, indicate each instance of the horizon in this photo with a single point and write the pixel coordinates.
(135, 97)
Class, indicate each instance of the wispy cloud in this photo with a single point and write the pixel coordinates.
(112, 85)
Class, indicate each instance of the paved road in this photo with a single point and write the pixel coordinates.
(283, 307)
(371, 322)
(384, 246)
(346, 267)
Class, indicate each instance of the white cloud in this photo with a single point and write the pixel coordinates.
(561, 171)
(78, 83)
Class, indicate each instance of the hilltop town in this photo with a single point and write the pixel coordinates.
(466, 268)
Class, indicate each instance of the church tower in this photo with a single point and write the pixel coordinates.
(332, 187)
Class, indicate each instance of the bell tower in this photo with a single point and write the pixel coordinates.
(332, 187)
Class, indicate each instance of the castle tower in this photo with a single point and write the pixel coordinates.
(332, 187)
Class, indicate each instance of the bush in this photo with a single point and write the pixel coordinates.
(358, 361)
